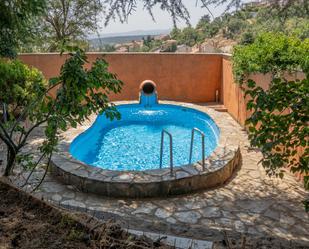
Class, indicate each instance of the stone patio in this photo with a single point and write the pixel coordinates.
(249, 203)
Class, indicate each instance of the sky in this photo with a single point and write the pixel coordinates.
(141, 20)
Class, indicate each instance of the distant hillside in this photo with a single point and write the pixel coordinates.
(116, 40)
(125, 37)
(135, 33)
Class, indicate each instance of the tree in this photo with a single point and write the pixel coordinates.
(278, 125)
(69, 21)
(78, 96)
(282, 6)
(123, 9)
(246, 38)
(204, 20)
(16, 22)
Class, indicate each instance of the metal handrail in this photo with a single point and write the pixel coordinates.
(203, 146)
(171, 149)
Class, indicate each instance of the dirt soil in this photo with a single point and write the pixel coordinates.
(26, 222)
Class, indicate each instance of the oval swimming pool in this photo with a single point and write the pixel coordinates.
(133, 142)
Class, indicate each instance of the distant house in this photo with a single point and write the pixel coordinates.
(258, 3)
(122, 49)
(183, 49)
(162, 37)
(217, 45)
(169, 46)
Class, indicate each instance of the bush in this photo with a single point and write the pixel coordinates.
(22, 83)
(278, 125)
(273, 53)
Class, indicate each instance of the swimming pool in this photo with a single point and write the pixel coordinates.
(134, 141)
(155, 149)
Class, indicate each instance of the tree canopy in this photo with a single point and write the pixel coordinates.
(16, 23)
(69, 21)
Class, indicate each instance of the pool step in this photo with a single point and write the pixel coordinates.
(216, 106)
(177, 242)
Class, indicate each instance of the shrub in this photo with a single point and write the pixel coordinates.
(22, 84)
(273, 53)
(279, 122)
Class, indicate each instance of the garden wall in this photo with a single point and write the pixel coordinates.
(180, 77)
(233, 96)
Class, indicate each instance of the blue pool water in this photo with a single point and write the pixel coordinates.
(133, 142)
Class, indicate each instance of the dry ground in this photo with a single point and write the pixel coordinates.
(26, 222)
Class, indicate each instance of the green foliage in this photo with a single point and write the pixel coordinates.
(246, 38)
(16, 23)
(22, 84)
(76, 234)
(169, 48)
(107, 48)
(149, 44)
(271, 52)
(188, 36)
(80, 92)
(278, 125)
(246, 23)
(68, 21)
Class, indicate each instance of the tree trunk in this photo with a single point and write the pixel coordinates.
(11, 156)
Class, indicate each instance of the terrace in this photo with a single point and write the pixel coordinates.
(247, 202)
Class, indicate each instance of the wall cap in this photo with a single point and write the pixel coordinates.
(129, 53)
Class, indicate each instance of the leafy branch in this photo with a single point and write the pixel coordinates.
(80, 93)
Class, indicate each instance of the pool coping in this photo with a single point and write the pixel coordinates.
(219, 166)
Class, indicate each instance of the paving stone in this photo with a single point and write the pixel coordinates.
(239, 226)
(211, 212)
(171, 220)
(255, 206)
(252, 230)
(52, 187)
(224, 222)
(207, 222)
(73, 203)
(147, 209)
(69, 195)
(227, 214)
(57, 197)
(289, 220)
(182, 174)
(190, 217)
(162, 213)
(272, 214)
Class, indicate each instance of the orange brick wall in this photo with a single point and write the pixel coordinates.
(179, 77)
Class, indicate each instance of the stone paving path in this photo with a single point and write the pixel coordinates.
(250, 203)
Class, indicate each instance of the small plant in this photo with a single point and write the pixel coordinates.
(66, 221)
(75, 234)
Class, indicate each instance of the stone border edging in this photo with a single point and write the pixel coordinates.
(150, 183)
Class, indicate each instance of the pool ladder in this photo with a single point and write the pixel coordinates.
(203, 146)
(191, 147)
(171, 149)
